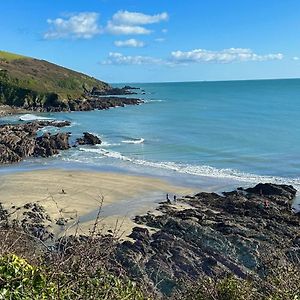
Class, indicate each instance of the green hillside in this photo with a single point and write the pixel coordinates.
(26, 81)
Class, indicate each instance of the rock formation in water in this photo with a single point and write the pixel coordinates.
(20, 141)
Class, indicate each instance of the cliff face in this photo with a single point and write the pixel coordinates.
(29, 82)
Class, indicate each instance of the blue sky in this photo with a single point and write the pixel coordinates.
(158, 40)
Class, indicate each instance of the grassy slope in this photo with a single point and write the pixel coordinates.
(38, 80)
(10, 56)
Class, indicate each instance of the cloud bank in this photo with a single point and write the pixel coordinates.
(224, 56)
(135, 18)
(83, 25)
(125, 22)
(232, 55)
(116, 58)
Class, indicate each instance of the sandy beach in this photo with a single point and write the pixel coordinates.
(77, 195)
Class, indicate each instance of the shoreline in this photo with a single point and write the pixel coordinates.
(6, 110)
(75, 196)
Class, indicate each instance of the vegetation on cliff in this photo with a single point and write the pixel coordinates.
(29, 82)
(83, 269)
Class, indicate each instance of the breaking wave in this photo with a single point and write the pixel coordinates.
(31, 117)
(106, 144)
(202, 170)
(134, 141)
(154, 100)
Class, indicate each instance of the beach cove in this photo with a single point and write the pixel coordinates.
(76, 196)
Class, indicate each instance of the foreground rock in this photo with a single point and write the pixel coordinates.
(20, 141)
(238, 232)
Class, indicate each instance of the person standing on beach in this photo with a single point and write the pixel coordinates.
(167, 198)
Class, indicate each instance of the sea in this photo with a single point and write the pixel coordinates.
(208, 135)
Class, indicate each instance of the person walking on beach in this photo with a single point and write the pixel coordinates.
(168, 199)
(175, 198)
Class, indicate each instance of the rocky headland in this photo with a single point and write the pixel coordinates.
(37, 85)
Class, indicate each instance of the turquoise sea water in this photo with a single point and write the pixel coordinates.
(198, 133)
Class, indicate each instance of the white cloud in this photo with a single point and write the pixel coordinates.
(296, 58)
(130, 43)
(125, 22)
(135, 18)
(223, 56)
(126, 29)
(195, 56)
(160, 40)
(115, 58)
(83, 25)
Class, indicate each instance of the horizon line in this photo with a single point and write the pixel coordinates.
(195, 81)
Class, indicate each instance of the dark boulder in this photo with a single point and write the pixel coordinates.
(139, 233)
(48, 145)
(88, 139)
(270, 189)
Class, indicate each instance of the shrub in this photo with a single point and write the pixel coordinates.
(228, 288)
(21, 281)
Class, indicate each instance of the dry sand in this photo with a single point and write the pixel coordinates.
(77, 195)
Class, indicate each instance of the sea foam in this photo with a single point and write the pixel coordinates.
(197, 170)
(134, 141)
(31, 117)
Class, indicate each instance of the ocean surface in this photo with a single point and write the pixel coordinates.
(203, 134)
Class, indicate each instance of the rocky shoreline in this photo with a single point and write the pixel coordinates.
(237, 233)
(100, 103)
(242, 233)
(19, 141)
(88, 104)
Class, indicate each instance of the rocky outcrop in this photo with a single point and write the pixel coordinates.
(236, 232)
(100, 103)
(126, 90)
(90, 103)
(88, 139)
(49, 145)
(20, 141)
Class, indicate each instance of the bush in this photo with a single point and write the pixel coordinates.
(20, 280)
(228, 288)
